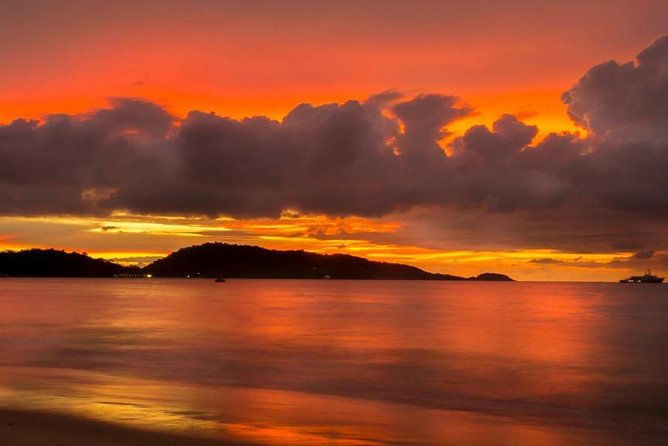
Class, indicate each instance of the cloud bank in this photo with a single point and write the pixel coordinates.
(368, 158)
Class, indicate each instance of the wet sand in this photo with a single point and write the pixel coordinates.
(23, 428)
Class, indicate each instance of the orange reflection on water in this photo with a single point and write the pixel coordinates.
(314, 362)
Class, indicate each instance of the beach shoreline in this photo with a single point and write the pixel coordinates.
(32, 428)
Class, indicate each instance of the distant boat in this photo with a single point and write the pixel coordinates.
(220, 280)
(646, 278)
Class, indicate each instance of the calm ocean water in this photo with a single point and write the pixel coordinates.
(344, 362)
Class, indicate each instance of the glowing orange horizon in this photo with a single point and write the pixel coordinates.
(239, 59)
(154, 237)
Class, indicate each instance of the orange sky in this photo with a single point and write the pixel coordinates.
(246, 58)
(259, 57)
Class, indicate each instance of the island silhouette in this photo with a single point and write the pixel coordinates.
(213, 260)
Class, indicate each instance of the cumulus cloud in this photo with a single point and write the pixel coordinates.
(335, 159)
(370, 158)
(70, 164)
(626, 101)
(624, 108)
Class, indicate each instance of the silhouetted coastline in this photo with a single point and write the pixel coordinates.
(212, 260)
(56, 263)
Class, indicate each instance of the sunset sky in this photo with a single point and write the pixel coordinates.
(457, 136)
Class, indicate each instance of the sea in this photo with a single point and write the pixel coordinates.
(328, 362)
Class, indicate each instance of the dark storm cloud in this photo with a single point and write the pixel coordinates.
(625, 109)
(498, 170)
(334, 159)
(69, 164)
(573, 227)
(625, 101)
(361, 158)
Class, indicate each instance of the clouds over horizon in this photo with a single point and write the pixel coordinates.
(371, 158)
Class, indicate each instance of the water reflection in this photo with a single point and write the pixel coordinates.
(329, 362)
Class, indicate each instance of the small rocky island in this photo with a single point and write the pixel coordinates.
(212, 260)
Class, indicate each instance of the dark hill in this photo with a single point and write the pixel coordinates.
(53, 263)
(238, 261)
(219, 260)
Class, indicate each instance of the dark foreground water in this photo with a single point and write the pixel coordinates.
(344, 362)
